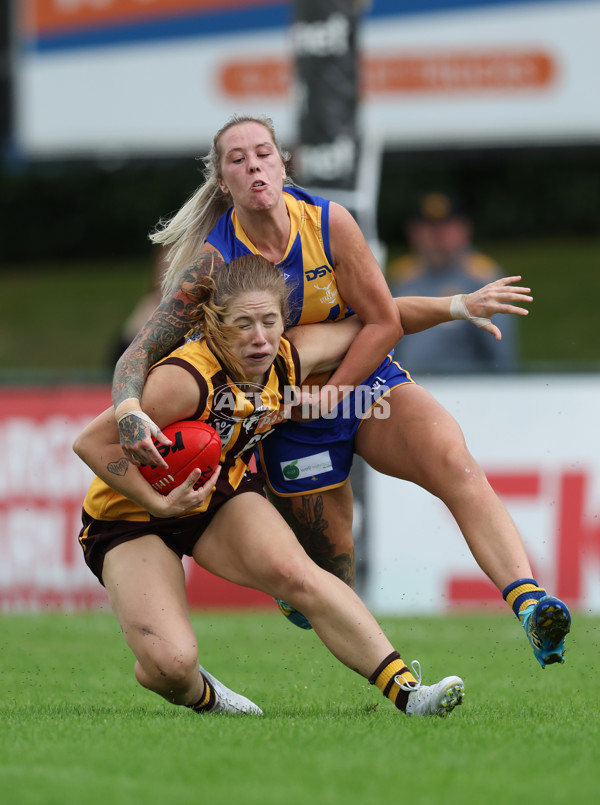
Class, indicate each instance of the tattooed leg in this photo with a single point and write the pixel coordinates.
(322, 522)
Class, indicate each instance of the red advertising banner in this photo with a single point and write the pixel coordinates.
(549, 480)
(45, 16)
(42, 486)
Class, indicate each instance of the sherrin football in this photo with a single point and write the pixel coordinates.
(194, 444)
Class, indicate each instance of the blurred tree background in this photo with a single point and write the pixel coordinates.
(80, 210)
(75, 254)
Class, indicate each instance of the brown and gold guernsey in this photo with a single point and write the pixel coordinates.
(241, 414)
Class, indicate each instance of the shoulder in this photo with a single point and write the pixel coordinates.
(193, 357)
(302, 195)
(208, 259)
(344, 229)
(290, 357)
(222, 222)
(221, 234)
(175, 387)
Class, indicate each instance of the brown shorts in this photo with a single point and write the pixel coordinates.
(180, 534)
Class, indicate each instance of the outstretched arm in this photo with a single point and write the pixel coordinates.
(422, 312)
(163, 330)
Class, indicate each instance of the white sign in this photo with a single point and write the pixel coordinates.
(537, 439)
(162, 76)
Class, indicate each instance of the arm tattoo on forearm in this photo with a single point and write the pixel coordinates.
(167, 325)
(119, 467)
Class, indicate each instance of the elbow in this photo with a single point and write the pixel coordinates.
(77, 446)
(391, 332)
(395, 322)
(398, 329)
(81, 446)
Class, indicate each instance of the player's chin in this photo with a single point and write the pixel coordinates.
(264, 200)
(256, 367)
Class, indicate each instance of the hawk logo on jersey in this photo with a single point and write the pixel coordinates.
(250, 422)
(329, 295)
(263, 420)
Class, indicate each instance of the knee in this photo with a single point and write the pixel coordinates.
(292, 580)
(462, 471)
(167, 666)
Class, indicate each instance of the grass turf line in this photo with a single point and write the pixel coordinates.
(75, 726)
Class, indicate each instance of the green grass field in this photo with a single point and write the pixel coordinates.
(75, 726)
(61, 320)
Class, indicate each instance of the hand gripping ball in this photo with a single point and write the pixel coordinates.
(194, 444)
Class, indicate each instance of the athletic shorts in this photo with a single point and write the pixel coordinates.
(311, 456)
(180, 534)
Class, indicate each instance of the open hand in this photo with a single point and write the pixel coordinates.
(497, 297)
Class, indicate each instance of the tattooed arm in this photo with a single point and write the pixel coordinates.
(163, 330)
(170, 394)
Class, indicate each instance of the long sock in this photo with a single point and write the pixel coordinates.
(207, 701)
(384, 676)
(521, 593)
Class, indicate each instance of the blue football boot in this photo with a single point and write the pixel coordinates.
(295, 617)
(546, 623)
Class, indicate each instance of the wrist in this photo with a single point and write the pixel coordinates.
(459, 310)
(126, 406)
(458, 307)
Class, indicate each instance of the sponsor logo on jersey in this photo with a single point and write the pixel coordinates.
(316, 464)
(314, 273)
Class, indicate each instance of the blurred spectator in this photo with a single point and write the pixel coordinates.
(142, 310)
(443, 263)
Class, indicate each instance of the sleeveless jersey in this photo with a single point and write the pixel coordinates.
(241, 416)
(307, 265)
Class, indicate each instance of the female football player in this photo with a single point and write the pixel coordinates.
(236, 373)
(247, 205)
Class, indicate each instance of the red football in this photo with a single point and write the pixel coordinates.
(194, 444)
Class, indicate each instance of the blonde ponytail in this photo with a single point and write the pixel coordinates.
(186, 231)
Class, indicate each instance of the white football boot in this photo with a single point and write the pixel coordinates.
(228, 701)
(431, 700)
